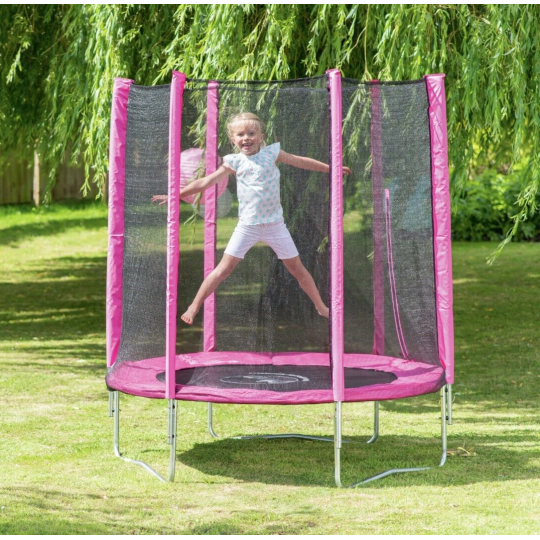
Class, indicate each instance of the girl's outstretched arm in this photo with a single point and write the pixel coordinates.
(306, 163)
(199, 185)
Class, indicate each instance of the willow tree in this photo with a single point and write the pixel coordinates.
(58, 64)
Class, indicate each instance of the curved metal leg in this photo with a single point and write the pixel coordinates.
(337, 445)
(213, 434)
(288, 436)
(277, 436)
(114, 411)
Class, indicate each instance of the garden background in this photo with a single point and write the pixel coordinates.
(57, 64)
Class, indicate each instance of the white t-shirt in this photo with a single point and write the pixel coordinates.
(257, 178)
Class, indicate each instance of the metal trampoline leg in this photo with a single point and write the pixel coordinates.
(114, 398)
(337, 444)
(114, 411)
(449, 404)
(210, 425)
(171, 440)
(375, 424)
(444, 420)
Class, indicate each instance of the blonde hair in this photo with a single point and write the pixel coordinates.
(245, 118)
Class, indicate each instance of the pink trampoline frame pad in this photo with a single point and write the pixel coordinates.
(413, 378)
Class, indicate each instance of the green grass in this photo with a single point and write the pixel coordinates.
(58, 473)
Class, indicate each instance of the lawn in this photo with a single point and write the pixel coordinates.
(58, 474)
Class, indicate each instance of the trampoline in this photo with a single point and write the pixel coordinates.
(377, 243)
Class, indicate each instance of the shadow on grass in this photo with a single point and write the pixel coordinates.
(481, 403)
(303, 463)
(46, 513)
(19, 233)
(64, 359)
(50, 512)
(225, 526)
(64, 303)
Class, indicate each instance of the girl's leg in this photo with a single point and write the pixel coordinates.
(305, 280)
(221, 271)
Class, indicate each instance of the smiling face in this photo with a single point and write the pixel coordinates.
(246, 135)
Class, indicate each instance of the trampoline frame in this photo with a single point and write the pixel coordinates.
(446, 419)
(437, 119)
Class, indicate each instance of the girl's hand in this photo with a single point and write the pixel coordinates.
(346, 170)
(162, 198)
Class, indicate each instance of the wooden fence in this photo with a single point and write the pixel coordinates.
(17, 182)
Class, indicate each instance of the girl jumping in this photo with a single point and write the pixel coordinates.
(259, 209)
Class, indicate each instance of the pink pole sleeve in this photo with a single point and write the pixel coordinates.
(212, 117)
(173, 220)
(336, 236)
(378, 219)
(115, 250)
(441, 222)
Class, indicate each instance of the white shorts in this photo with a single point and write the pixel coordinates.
(274, 234)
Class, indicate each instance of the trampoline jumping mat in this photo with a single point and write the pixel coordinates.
(282, 378)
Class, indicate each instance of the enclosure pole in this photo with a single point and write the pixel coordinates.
(210, 211)
(378, 219)
(115, 249)
(336, 235)
(173, 220)
(442, 234)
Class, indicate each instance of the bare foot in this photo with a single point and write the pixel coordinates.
(324, 312)
(190, 314)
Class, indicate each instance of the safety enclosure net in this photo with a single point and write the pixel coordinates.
(260, 331)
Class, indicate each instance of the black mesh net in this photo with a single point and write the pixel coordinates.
(388, 227)
(388, 231)
(145, 235)
(261, 307)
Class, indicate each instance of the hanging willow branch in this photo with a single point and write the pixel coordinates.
(58, 62)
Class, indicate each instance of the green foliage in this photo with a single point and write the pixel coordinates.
(58, 63)
(487, 208)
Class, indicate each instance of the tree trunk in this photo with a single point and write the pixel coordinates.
(36, 178)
